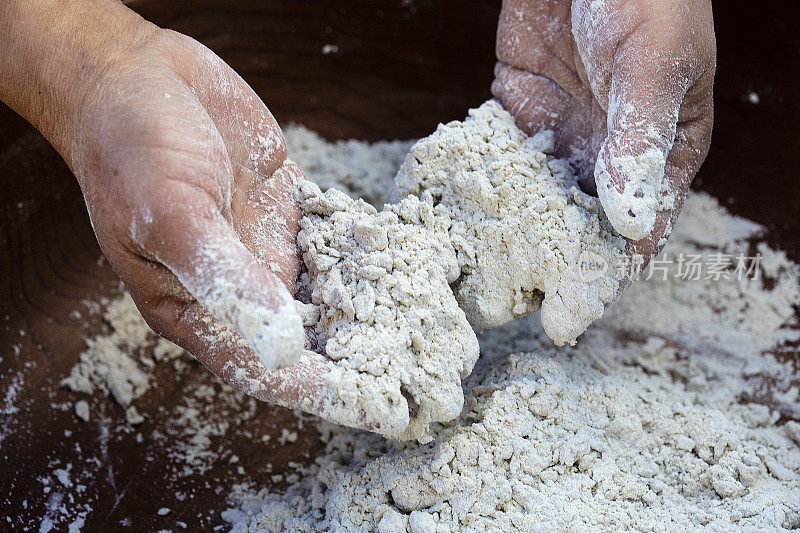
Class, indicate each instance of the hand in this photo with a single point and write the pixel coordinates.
(186, 180)
(626, 85)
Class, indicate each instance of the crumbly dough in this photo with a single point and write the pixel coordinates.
(649, 423)
(547, 442)
(477, 205)
(521, 229)
(381, 307)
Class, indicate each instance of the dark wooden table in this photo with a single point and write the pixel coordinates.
(400, 68)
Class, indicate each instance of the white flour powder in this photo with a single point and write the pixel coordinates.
(644, 424)
(110, 360)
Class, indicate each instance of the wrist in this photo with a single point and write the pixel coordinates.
(53, 53)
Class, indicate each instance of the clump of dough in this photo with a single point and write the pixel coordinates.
(523, 232)
(479, 208)
(382, 309)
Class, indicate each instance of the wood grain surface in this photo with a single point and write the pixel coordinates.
(399, 68)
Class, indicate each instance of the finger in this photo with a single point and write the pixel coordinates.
(301, 386)
(265, 214)
(198, 245)
(642, 122)
(641, 71)
(688, 152)
(531, 37)
(535, 82)
(228, 356)
(691, 146)
(267, 222)
(250, 132)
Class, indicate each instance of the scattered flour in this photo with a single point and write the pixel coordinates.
(121, 362)
(107, 363)
(82, 410)
(287, 436)
(646, 423)
(381, 307)
(133, 416)
(62, 475)
(194, 434)
(518, 223)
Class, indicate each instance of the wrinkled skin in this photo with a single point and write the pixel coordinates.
(613, 78)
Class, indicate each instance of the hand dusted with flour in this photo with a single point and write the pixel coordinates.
(518, 223)
(381, 308)
(626, 86)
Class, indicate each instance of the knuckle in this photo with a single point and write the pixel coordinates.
(163, 316)
(153, 321)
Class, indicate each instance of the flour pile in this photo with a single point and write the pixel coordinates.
(110, 360)
(649, 422)
(358, 169)
(517, 221)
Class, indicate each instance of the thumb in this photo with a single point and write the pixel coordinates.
(643, 105)
(641, 59)
(203, 251)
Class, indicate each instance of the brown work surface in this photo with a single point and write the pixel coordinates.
(400, 68)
